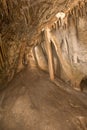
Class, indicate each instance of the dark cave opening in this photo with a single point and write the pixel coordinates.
(83, 83)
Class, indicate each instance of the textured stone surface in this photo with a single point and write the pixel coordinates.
(32, 102)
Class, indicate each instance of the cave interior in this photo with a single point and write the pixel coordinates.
(43, 65)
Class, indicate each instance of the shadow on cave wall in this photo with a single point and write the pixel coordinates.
(83, 83)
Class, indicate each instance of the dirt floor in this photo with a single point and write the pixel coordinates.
(33, 102)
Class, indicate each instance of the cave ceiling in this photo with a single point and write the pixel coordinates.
(26, 17)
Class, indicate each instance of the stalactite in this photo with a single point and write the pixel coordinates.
(69, 19)
(4, 3)
(80, 12)
(85, 8)
(42, 36)
(21, 54)
(64, 26)
(54, 26)
(76, 12)
(1, 60)
(2, 53)
(31, 14)
(26, 15)
(58, 24)
(11, 3)
(10, 9)
(22, 13)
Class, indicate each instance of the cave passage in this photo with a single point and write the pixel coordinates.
(43, 65)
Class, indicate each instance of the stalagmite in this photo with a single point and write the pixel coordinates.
(40, 58)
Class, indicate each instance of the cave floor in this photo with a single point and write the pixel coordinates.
(33, 102)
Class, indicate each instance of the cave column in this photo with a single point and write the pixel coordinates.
(49, 53)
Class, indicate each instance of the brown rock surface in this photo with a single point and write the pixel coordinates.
(34, 39)
(32, 102)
